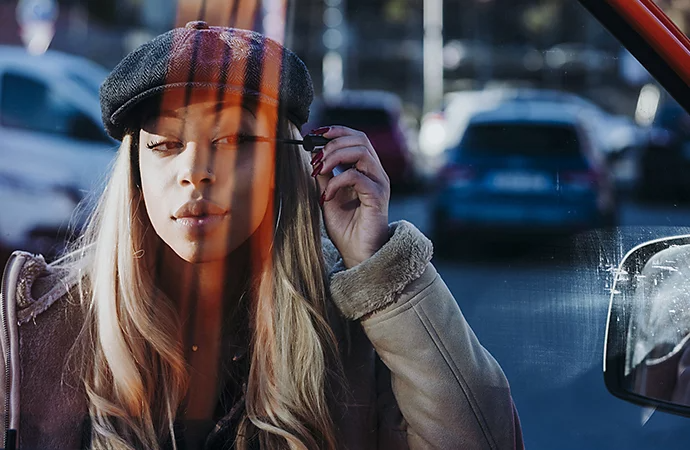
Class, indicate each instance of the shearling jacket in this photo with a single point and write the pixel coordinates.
(418, 377)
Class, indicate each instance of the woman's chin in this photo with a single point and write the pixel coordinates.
(199, 252)
(204, 249)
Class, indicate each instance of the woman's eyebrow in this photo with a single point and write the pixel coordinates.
(212, 109)
(218, 108)
(168, 113)
(244, 122)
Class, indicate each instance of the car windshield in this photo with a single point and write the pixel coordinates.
(521, 139)
(92, 83)
(527, 246)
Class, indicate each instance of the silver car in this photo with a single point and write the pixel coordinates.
(53, 148)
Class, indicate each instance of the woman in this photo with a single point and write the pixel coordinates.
(208, 305)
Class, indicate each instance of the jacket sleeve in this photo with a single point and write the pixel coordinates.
(666, 377)
(3, 376)
(450, 390)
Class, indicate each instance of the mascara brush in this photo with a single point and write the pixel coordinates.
(310, 142)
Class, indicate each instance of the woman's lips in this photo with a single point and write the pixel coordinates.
(200, 224)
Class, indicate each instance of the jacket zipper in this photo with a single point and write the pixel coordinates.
(10, 435)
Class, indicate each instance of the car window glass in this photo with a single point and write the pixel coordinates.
(86, 82)
(530, 140)
(28, 103)
(527, 245)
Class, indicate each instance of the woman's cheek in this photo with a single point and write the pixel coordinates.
(260, 191)
(259, 182)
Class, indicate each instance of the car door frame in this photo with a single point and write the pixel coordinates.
(659, 45)
(652, 38)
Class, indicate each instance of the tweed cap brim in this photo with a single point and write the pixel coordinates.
(228, 60)
(124, 113)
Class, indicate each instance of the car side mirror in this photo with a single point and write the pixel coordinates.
(647, 349)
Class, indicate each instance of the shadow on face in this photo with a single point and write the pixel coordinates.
(205, 184)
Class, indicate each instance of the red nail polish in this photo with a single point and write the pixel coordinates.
(317, 158)
(320, 131)
(317, 169)
(323, 198)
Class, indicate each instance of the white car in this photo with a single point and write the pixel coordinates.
(53, 148)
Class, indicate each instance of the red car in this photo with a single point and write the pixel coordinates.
(378, 114)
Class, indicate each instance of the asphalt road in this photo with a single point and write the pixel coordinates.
(541, 310)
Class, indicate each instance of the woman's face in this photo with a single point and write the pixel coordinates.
(205, 189)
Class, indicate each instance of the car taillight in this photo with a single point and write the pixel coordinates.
(581, 180)
(457, 174)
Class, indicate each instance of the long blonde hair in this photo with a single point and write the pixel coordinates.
(133, 365)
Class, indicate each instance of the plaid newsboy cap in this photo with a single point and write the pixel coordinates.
(229, 60)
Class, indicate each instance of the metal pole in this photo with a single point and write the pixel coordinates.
(433, 54)
(335, 41)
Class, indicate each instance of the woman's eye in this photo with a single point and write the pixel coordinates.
(165, 146)
(235, 140)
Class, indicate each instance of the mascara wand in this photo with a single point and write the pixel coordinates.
(310, 142)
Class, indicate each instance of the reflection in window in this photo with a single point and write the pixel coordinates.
(505, 139)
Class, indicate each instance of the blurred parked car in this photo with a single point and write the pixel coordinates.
(52, 144)
(617, 136)
(665, 161)
(442, 130)
(37, 204)
(379, 115)
(616, 133)
(523, 168)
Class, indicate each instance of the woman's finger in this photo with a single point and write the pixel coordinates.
(351, 140)
(336, 131)
(357, 157)
(323, 179)
(369, 192)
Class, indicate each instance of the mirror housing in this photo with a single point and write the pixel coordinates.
(647, 348)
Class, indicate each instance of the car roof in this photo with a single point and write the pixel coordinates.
(529, 112)
(52, 61)
(510, 93)
(53, 58)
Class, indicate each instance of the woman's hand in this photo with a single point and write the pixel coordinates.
(355, 202)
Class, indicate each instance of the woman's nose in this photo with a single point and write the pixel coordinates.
(197, 168)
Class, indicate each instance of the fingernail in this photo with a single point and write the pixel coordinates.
(317, 169)
(323, 198)
(320, 131)
(317, 158)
